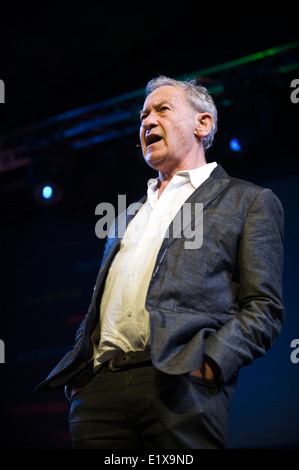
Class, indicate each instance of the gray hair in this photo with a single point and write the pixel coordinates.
(198, 97)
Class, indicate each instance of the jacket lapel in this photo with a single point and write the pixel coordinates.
(204, 195)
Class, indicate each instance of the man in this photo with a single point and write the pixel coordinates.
(170, 324)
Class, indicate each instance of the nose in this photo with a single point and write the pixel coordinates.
(149, 121)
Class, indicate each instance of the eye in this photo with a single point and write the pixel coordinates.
(143, 116)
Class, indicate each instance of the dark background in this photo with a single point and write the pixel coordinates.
(66, 67)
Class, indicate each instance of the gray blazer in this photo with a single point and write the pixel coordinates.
(223, 299)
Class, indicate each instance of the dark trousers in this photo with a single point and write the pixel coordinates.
(143, 408)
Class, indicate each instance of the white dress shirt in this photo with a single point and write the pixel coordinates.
(124, 320)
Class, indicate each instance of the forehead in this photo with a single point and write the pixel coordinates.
(167, 93)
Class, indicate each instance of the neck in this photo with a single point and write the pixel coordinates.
(166, 176)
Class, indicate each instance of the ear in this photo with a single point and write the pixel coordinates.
(204, 124)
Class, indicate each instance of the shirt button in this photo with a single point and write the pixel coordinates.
(129, 313)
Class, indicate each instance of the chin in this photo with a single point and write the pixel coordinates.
(154, 161)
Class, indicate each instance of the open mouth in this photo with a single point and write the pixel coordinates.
(152, 139)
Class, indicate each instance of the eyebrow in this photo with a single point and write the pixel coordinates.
(155, 106)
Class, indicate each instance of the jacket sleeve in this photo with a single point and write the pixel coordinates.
(250, 332)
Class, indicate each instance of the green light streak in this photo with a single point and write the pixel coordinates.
(289, 68)
(243, 60)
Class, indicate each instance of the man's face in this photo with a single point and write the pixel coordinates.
(167, 128)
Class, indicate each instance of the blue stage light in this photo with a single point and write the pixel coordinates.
(235, 145)
(47, 192)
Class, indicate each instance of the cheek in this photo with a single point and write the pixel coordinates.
(141, 135)
(179, 137)
(142, 140)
